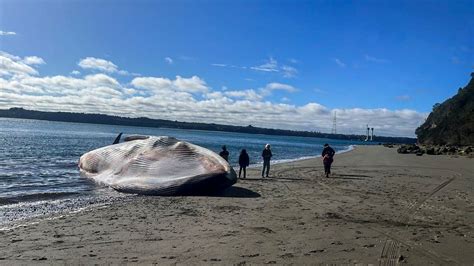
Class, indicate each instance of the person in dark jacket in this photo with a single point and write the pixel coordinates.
(244, 161)
(224, 153)
(266, 155)
(328, 157)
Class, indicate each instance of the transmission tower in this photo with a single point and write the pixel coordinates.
(334, 131)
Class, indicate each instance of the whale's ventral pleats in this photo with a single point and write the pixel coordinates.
(157, 166)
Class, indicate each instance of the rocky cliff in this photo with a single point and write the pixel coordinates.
(451, 122)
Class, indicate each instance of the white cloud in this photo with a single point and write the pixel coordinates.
(313, 108)
(271, 65)
(339, 62)
(75, 72)
(289, 71)
(11, 65)
(102, 80)
(187, 99)
(60, 86)
(214, 95)
(249, 94)
(123, 72)
(261, 93)
(33, 60)
(99, 64)
(169, 60)
(193, 84)
(152, 83)
(6, 33)
(279, 86)
(369, 58)
(102, 65)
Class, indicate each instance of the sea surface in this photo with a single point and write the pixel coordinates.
(38, 161)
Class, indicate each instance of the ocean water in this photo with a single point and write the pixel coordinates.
(38, 160)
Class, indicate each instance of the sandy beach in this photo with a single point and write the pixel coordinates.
(379, 207)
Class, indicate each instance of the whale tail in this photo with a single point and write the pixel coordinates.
(117, 139)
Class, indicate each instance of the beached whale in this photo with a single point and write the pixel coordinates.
(157, 166)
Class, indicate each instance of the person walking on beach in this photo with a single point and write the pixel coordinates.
(328, 158)
(244, 161)
(224, 153)
(266, 155)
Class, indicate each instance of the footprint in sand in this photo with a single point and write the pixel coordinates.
(286, 255)
(264, 230)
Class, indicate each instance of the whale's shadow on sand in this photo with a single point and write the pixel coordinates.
(230, 192)
(235, 192)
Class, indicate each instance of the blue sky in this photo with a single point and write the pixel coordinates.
(356, 57)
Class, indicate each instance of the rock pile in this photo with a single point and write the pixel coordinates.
(411, 148)
(435, 150)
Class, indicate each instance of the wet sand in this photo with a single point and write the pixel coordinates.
(379, 207)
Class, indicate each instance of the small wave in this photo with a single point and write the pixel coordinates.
(35, 197)
(19, 212)
(348, 149)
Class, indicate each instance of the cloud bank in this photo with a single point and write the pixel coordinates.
(182, 98)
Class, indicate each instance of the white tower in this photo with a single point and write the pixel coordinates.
(367, 137)
(372, 136)
(333, 131)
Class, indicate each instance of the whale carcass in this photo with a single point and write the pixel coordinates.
(157, 166)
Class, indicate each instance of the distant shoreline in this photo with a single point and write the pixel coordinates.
(161, 123)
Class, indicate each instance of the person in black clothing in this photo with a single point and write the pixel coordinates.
(224, 153)
(327, 155)
(266, 155)
(244, 161)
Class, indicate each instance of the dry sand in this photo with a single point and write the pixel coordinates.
(379, 207)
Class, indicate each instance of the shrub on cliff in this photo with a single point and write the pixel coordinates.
(451, 122)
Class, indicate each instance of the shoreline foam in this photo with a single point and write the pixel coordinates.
(275, 162)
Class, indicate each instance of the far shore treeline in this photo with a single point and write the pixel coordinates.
(147, 122)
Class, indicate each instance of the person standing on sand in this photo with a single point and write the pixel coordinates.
(244, 161)
(266, 155)
(224, 153)
(328, 158)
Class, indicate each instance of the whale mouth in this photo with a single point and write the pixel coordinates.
(157, 165)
